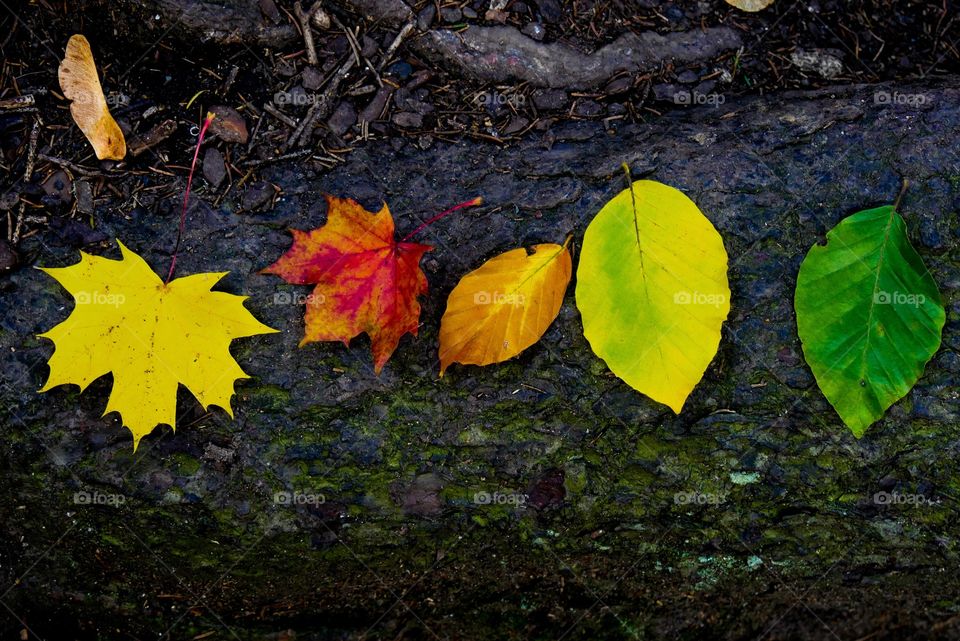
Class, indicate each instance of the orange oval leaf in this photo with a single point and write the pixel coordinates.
(505, 306)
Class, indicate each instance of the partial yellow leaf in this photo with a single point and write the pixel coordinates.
(150, 335)
(750, 5)
(81, 85)
(652, 290)
(505, 306)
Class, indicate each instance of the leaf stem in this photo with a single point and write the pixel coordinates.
(186, 196)
(470, 203)
(903, 190)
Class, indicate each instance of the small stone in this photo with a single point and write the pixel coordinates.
(496, 15)
(58, 187)
(426, 16)
(258, 195)
(217, 454)
(667, 92)
(369, 47)
(408, 120)
(517, 123)
(419, 78)
(469, 13)
(84, 194)
(535, 30)
(311, 78)
(400, 69)
(688, 77)
(551, 99)
(548, 491)
(588, 108)
(297, 96)
(344, 117)
(8, 256)
(9, 200)
(375, 107)
(550, 10)
(673, 13)
(284, 68)
(819, 61)
(422, 497)
(228, 125)
(619, 85)
(451, 14)
(214, 168)
(269, 9)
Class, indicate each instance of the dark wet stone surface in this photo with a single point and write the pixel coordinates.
(757, 481)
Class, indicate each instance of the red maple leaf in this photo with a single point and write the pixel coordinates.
(365, 280)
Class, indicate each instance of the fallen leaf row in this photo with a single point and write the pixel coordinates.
(652, 291)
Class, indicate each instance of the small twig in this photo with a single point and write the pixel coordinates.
(156, 135)
(17, 102)
(303, 18)
(358, 50)
(27, 176)
(66, 164)
(320, 109)
(279, 115)
(228, 83)
(291, 156)
(407, 28)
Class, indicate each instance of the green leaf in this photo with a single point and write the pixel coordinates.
(869, 315)
(652, 290)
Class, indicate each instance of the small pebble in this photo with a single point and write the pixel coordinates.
(58, 187)
(84, 195)
(344, 117)
(401, 70)
(495, 15)
(368, 47)
(550, 10)
(228, 125)
(214, 168)
(551, 99)
(258, 195)
(619, 85)
(408, 120)
(426, 16)
(312, 78)
(517, 123)
(451, 14)
(588, 108)
(535, 30)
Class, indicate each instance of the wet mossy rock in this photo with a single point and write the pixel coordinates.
(533, 497)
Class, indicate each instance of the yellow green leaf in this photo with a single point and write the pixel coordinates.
(652, 290)
(150, 335)
(504, 306)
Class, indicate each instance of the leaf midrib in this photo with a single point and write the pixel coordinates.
(873, 295)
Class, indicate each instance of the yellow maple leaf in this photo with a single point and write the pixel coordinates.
(151, 335)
